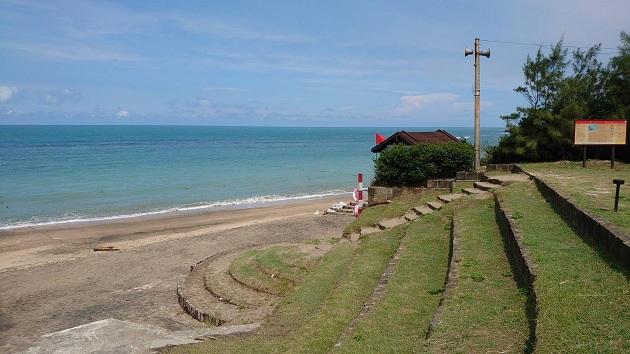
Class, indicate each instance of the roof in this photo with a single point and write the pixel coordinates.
(415, 138)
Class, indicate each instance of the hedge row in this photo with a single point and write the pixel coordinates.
(402, 165)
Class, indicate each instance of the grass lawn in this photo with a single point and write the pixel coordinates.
(584, 298)
(399, 321)
(590, 188)
(485, 312)
(287, 264)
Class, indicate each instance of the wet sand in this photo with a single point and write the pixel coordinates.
(52, 279)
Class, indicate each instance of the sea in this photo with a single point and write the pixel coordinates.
(75, 174)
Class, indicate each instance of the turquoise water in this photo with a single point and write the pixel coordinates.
(57, 174)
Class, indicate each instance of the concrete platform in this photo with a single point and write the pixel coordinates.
(116, 336)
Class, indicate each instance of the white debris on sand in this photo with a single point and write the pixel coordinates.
(337, 207)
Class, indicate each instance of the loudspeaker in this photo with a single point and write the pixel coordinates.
(467, 52)
(486, 53)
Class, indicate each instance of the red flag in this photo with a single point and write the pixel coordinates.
(379, 138)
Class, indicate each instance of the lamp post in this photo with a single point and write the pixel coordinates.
(486, 54)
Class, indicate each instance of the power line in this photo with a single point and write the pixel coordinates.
(613, 50)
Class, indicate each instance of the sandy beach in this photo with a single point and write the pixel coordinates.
(52, 279)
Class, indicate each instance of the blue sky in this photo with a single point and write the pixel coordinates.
(280, 63)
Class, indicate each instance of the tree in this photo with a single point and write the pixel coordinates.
(619, 85)
(538, 132)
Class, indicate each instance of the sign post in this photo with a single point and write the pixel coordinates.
(600, 132)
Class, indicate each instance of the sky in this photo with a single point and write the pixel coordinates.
(282, 63)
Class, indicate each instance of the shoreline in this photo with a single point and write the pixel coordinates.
(55, 280)
(35, 245)
(227, 205)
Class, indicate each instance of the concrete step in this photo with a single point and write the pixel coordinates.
(422, 210)
(504, 180)
(369, 230)
(485, 186)
(473, 191)
(389, 223)
(435, 205)
(447, 198)
(411, 215)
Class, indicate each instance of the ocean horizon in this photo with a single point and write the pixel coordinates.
(71, 174)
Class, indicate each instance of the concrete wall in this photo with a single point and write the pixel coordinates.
(608, 237)
(383, 194)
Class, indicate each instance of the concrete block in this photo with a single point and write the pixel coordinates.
(422, 210)
(447, 198)
(435, 205)
(410, 216)
(485, 186)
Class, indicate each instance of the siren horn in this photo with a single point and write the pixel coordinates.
(467, 52)
(486, 53)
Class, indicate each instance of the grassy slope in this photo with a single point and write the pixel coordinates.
(399, 321)
(485, 312)
(584, 298)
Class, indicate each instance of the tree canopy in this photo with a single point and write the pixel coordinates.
(543, 131)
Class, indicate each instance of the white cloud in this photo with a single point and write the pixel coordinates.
(122, 114)
(409, 104)
(59, 97)
(49, 98)
(7, 92)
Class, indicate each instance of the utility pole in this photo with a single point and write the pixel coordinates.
(486, 54)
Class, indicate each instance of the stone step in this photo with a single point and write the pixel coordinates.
(435, 205)
(422, 210)
(504, 180)
(485, 186)
(410, 215)
(473, 191)
(369, 230)
(447, 198)
(389, 223)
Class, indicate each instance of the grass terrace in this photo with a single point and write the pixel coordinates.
(584, 298)
(590, 188)
(486, 312)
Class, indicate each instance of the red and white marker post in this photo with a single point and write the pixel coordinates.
(358, 207)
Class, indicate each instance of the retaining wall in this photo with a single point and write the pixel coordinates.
(520, 259)
(608, 237)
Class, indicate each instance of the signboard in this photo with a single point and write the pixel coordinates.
(600, 132)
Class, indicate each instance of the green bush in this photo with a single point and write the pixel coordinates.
(403, 165)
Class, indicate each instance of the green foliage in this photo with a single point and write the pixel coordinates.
(414, 165)
(544, 130)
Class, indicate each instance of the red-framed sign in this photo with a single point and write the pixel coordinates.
(600, 132)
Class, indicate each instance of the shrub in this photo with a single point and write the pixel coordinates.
(403, 165)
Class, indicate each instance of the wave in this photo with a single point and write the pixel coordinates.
(230, 204)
